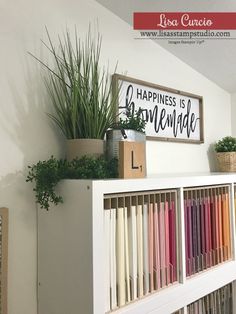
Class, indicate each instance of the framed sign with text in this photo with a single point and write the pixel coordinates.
(170, 115)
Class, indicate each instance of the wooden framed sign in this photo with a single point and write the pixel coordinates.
(171, 115)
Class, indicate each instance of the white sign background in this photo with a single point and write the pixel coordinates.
(169, 115)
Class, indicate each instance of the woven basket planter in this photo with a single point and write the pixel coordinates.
(226, 161)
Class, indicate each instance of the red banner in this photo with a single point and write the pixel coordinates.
(184, 20)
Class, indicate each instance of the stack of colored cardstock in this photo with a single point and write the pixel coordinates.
(219, 301)
(140, 245)
(207, 227)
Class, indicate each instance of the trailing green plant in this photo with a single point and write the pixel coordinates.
(133, 120)
(46, 175)
(226, 144)
(80, 91)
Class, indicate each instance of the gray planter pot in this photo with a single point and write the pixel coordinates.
(115, 136)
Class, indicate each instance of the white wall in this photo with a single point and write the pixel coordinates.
(27, 135)
(233, 113)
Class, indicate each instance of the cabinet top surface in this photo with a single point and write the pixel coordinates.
(161, 181)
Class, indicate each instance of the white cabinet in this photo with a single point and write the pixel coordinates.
(72, 267)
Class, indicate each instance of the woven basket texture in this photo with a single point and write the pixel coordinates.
(226, 161)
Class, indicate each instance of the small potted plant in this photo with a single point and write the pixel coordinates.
(80, 92)
(131, 127)
(226, 154)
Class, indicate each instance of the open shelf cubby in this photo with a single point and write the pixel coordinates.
(137, 246)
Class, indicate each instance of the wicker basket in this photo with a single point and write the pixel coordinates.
(226, 161)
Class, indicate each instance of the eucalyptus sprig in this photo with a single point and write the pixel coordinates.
(46, 175)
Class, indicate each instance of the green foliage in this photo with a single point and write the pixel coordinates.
(133, 121)
(80, 91)
(227, 144)
(46, 174)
